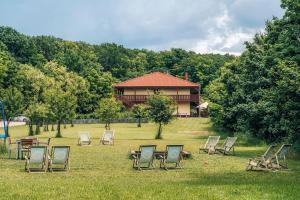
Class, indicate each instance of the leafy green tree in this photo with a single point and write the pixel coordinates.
(139, 111)
(14, 103)
(108, 110)
(258, 93)
(161, 109)
(36, 113)
(62, 104)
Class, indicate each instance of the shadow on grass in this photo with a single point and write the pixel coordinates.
(254, 178)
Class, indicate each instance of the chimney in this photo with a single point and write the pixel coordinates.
(186, 76)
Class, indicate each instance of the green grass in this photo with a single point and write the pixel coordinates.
(105, 172)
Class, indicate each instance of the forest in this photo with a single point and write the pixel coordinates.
(257, 93)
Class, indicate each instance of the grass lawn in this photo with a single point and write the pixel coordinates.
(105, 172)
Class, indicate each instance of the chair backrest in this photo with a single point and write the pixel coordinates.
(229, 143)
(212, 141)
(282, 151)
(269, 152)
(108, 135)
(38, 154)
(26, 142)
(60, 154)
(147, 153)
(84, 136)
(174, 153)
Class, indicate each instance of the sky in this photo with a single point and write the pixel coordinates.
(203, 26)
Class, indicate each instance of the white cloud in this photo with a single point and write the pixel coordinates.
(212, 26)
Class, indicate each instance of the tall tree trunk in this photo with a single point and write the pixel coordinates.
(158, 136)
(47, 126)
(7, 127)
(106, 125)
(65, 124)
(37, 128)
(30, 129)
(52, 126)
(139, 122)
(44, 125)
(58, 133)
(72, 125)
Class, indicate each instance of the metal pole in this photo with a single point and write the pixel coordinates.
(4, 119)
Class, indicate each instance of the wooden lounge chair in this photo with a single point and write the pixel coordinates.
(59, 157)
(228, 146)
(108, 137)
(173, 155)
(278, 160)
(36, 156)
(84, 139)
(210, 144)
(144, 160)
(262, 162)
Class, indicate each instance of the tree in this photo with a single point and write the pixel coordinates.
(62, 104)
(14, 104)
(36, 113)
(139, 111)
(161, 109)
(108, 110)
(258, 93)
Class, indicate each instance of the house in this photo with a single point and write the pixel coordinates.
(183, 92)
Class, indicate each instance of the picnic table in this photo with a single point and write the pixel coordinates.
(29, 141)
(159, 154)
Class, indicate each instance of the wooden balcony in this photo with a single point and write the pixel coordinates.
(131, 99)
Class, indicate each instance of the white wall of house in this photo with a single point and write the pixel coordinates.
(164, 91)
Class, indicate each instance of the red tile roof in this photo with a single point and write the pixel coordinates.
(156, 79)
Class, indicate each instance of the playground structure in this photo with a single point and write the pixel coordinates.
(5, 134)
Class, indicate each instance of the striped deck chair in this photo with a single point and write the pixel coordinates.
(262, 162)
(279, 161)
(228, 146)
(173, 155)
(59, 157)
(210, 144)
(84, 138)
(37, 156)
(144, 160)
(108, 137)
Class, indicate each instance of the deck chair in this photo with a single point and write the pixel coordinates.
(228, 146)
(144, 160)
(278, 160)
(210, 144)
(37, 156)
(59, 158)
(173, 155)
(84, 139)
(262, 162)
(108, 137)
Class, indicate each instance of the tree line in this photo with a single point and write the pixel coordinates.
(258, 93)
(51, 80)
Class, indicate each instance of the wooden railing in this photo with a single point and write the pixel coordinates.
(143, 98)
